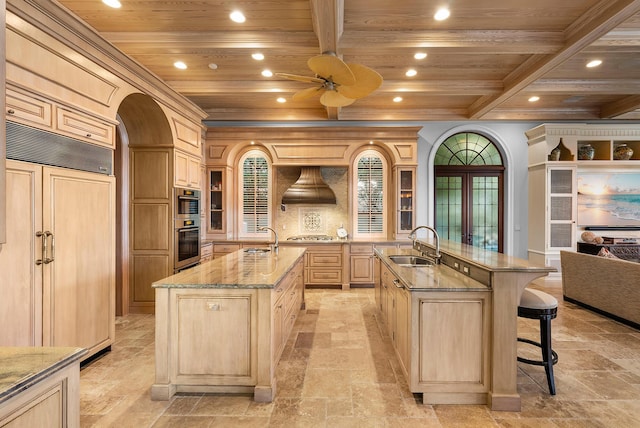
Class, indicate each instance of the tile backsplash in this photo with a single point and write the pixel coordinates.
(316, 219)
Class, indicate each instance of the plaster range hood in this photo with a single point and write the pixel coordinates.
(310, 188)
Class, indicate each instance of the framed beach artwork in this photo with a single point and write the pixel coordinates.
(609, 199)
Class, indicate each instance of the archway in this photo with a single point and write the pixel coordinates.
(142, 125)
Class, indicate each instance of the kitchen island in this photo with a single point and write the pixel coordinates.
(221, 326)
(40, 386)
(454, 324)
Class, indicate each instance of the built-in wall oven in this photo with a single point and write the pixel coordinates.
(186, 229)
(187, 203)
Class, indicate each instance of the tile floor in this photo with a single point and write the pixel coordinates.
(339, 370)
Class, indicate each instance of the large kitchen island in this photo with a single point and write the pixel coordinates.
(221, 326)
(454, 324)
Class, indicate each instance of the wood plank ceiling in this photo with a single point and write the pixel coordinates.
(483, 63)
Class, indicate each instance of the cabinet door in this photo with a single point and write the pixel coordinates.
(79, 285)
(562, 208)
(402, 328)
(361, 269)
(21, 284)
(405, 205)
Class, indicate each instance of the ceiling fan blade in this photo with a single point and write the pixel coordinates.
(306, 79)
(307, 93)
(367, 81)
(332, 68)
(334, 99)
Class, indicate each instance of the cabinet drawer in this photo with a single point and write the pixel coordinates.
(225, 248)
(206, 250)
(324, 259)
(361, 248)
(28, 110)
(85, 127)
(324, 276)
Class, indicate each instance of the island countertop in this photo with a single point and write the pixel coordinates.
(22, 367)
(240, 269)
(425, 278)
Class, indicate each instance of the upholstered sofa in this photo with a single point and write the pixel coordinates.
(608, 286)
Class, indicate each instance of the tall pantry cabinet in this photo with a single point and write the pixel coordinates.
(58, 265)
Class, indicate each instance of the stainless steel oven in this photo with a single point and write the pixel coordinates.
(187, 203)
(187, 243)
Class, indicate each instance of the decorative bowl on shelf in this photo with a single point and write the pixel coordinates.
(622, 152)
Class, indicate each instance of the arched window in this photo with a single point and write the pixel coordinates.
(469, 191)
(370, 172)
(255, 197)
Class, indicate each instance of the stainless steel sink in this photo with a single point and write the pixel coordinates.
(410, 260)
(256, 250)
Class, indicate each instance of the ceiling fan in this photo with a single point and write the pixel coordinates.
(339, 84)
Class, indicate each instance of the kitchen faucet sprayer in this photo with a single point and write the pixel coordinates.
(412, 236)
(275, 234)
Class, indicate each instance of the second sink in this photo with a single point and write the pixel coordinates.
(256, 250)
(403, 260)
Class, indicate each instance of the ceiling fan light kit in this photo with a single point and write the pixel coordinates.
(340, 83)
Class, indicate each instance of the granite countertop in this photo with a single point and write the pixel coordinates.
(239, 269)
(22, 367)
(428, 278)
(489, 260)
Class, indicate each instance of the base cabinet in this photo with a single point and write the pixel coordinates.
(224, 340)
(441, 339)
(58, 262)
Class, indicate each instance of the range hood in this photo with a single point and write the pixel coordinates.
(309, 189)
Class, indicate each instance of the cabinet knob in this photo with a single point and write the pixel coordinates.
(213, 306)
(88, 135)
(11, 111)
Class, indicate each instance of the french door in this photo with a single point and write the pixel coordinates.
(469, 205)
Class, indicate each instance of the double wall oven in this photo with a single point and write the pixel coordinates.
(186, 229)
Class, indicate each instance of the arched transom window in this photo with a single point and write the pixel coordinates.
(467, 148)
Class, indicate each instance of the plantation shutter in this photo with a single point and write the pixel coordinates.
(370, 217)
(255, 193)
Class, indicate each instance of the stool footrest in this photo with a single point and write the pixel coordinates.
(554, 360)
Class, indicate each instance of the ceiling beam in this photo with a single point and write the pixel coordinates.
(586, 86)
(590, 27)
(620, 107)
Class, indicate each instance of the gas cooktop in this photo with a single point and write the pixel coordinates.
(310, 238)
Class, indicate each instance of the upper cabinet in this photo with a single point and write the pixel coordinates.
(405, 179)
(35, 110)
(218, 200)
(186, 170)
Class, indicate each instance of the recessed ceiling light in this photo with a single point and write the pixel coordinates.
(397, 99)
(181, 65)
(594, 63)
(533, 99)
(112, 3)
(411, 72)
(371, 142)
(267, 73)
(441, 14)
(257, 56)
(213, 66)
(281, 100)
(420, 55)
(237, 16)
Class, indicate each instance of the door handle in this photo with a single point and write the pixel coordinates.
(53, 247)
(44, 236)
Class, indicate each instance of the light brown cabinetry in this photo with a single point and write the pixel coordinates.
(186, 170)
(59, 258)
(35, 110)
(323, 265)
(219, 202)
(441, 339)
(224, 339)
(361, 264)
(405, 183)
(206, 252)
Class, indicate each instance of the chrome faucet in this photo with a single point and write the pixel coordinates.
(412, 236)
(275, 234)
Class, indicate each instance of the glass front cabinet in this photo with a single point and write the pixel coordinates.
(218, 202)
(405, 201)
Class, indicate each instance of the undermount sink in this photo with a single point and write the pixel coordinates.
(256, 250)
(410, 260)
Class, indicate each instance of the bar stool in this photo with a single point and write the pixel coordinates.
(536, 304)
